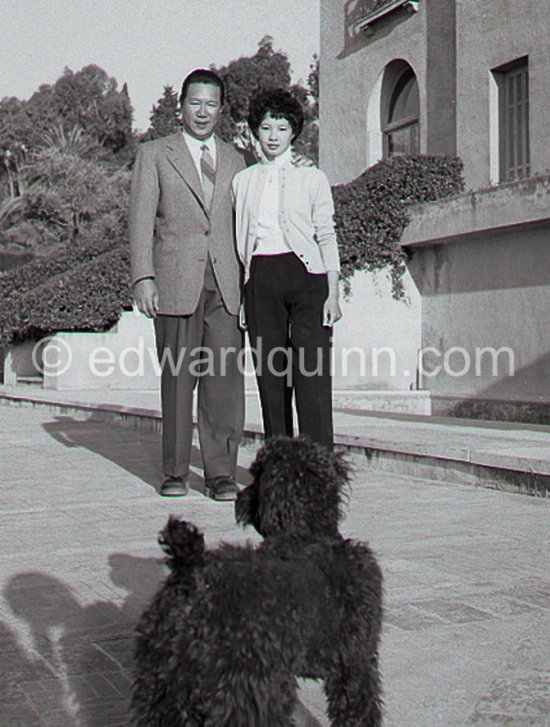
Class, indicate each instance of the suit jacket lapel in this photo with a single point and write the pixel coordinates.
(180, 158)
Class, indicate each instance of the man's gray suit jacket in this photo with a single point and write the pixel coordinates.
(171, 231)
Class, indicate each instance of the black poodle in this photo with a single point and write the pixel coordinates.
(230, 630)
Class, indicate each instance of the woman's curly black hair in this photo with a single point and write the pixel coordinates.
(278, 103)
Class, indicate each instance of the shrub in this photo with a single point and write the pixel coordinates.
(371, 211)
(67, 200)
(88, 297)
(39, 271)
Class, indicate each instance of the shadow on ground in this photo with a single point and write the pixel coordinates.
(76, 666)
(71, 663)
(138, 453)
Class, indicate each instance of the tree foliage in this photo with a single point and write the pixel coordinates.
(89, 99)
(59, 155)
(67, 200)
(267, 68)
(313, 83)
(165, 115)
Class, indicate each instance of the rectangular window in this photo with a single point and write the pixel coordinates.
(513, 84)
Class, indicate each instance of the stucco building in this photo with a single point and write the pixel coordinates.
(471, 79)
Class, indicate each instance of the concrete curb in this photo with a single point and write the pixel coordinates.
(463, 466)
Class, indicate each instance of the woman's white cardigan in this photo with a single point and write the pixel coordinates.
(306, 215)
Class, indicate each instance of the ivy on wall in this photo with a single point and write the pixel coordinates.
(87, 287)
(371, 212)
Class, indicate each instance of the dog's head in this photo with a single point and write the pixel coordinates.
(298, 489)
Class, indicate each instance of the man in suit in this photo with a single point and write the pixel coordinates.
(187, 277)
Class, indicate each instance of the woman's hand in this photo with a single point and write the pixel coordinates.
(331, 310)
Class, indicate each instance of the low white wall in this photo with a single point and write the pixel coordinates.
(377, 340)
(21, 360)
(122, 358)
(374, 346)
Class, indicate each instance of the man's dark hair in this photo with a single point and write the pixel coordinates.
(202, 75)
(278, 103)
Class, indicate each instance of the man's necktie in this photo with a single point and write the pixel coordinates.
(208, 172)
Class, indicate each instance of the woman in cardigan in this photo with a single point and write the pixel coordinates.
(287, 245)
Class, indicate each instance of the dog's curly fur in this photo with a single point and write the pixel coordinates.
(230, 630)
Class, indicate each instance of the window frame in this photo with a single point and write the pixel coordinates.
(513, 120)
(408, 122)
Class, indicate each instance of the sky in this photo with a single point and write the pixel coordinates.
(145, 43)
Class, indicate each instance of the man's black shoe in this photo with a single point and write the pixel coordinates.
(174, 487)
(222, 488)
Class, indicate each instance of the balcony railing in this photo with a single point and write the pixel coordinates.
(363, 15)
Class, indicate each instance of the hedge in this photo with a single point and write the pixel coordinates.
(90, 297)
(371, 211)
(32, 274)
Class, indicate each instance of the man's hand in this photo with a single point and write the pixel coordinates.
(146, 297)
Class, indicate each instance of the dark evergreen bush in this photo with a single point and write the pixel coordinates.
(88, 297)
(41, 270)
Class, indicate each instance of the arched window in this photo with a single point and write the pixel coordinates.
(401, 130)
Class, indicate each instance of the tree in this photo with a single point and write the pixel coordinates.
(246, 75)
(12, 160)
(266, 69)
(16, 127)
(91, 99)
(68, 200)
(59, 155)
(165, 115)
(88, 98)
(313, 83)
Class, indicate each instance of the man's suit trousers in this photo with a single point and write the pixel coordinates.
(201, 349)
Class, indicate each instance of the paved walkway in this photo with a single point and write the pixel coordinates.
(467, 632)
(518, 447)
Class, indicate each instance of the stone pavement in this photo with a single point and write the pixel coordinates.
(467, 630)
(508, 455)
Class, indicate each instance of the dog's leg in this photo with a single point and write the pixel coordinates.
(153, 702)
(248, 700)
(354, 694)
